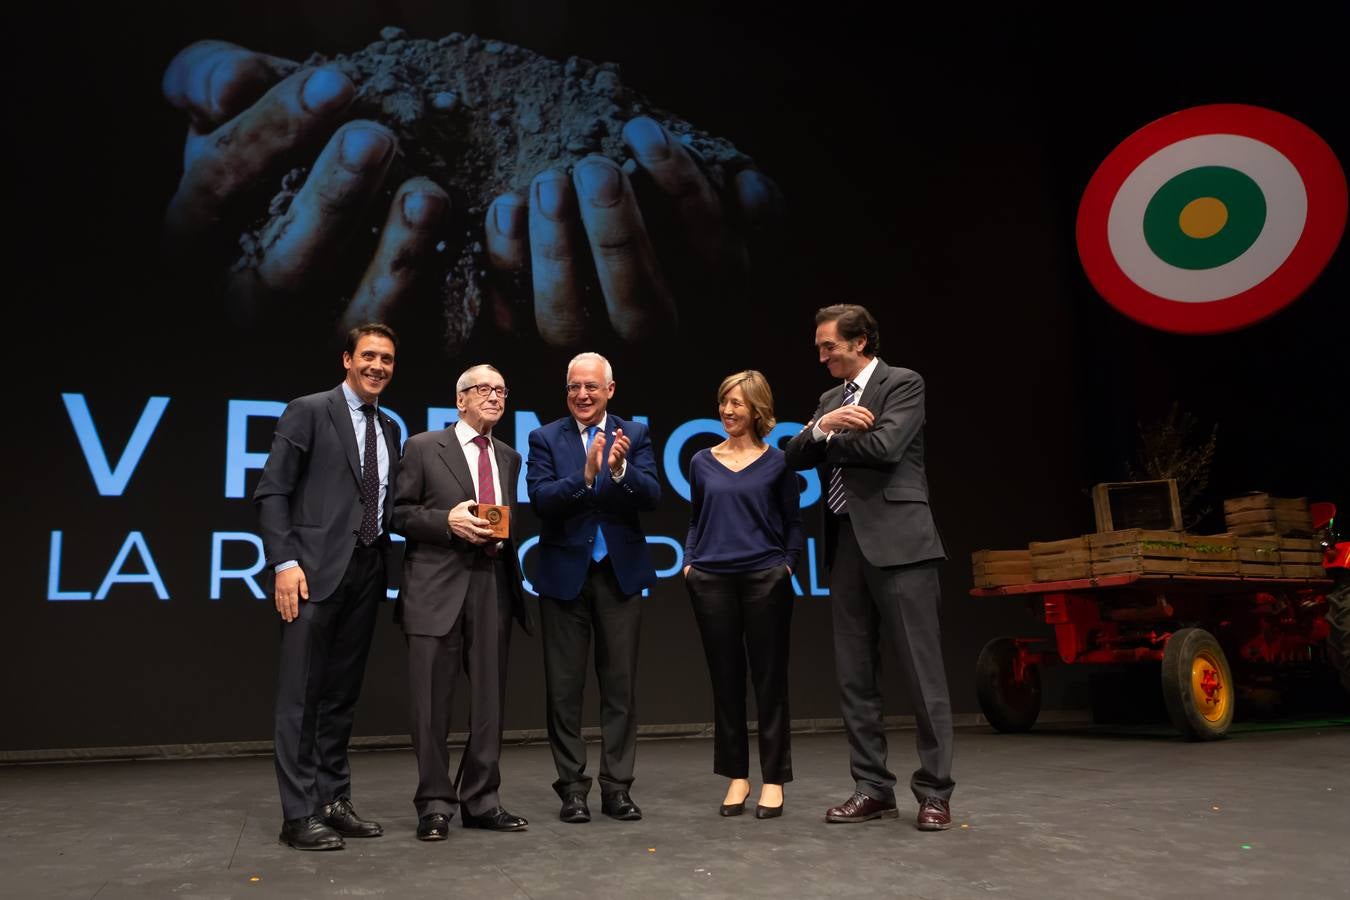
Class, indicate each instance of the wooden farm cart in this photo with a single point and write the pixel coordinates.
(1190, 624)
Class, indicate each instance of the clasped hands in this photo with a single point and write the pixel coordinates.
(846, 418)
(595, 456)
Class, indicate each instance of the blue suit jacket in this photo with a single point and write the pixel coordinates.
(569, 512)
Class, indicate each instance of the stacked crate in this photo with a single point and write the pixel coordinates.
(1060, 560)
(1258, 557)
(1140, 551)
(1301, 558)
(1000, 568)
(1211, 554)
(1261, 515)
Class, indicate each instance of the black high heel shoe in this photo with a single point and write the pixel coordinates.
(732, 809)
(769, 812)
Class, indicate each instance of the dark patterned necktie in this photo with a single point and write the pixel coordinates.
(486, 492)
(370, 483)
(835, 498)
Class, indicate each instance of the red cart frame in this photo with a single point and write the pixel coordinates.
(1188, 623)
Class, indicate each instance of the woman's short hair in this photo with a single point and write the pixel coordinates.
(755, 389)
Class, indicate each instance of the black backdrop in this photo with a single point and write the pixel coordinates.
(932, 168)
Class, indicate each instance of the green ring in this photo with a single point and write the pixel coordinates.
(1246, 217)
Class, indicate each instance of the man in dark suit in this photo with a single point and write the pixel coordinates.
(866, 437)
(590, 474)
(461, 589)
(324, 511)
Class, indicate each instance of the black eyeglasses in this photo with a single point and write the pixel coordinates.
(589, 387)
(485, 390)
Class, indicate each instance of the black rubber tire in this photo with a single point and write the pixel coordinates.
(1182, 650)
(1009, 707)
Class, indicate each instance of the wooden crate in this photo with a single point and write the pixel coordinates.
(1136, 542)
(1257, 550)
(1137, 504)
(1262, 514)
(1211, 554)
(1060, 560)
(1295, 570)
(1062, 572)
(1139, 551)
(1259, 569)
(1001, 556)
(983, 579)
(1139, 565)
(999, 568)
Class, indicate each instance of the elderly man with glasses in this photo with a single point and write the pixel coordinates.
(461, 589)
(590, 473)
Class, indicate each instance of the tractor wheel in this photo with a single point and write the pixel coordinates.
(1009, 705)
(1197, 685)
(1338, 640)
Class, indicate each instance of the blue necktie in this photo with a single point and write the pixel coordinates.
(598, 550)
(835, 499)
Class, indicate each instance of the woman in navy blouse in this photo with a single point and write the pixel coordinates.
(745, 536)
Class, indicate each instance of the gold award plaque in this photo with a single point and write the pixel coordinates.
(498, 518)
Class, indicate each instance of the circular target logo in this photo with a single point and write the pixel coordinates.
(1212, 218)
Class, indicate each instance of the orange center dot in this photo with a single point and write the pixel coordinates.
(1203, 217)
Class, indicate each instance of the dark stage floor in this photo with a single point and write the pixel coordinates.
(1068, 812)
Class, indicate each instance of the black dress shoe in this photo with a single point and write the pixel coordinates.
(496, 819)
(768, 812)
(732, 809)
(433, 827)
(310, 833)
(574, 809)
(861, 808)
(618, 805)
(342, 818)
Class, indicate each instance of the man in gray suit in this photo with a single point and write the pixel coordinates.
(461, 589)
(323, 509)
(866, 438)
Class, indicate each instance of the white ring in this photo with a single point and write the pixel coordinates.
(1286, 214)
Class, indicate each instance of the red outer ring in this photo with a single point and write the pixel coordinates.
(1322, 177)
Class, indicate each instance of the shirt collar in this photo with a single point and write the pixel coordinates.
(600, 426)
(353, 401)
(465, 434)
(862, 377)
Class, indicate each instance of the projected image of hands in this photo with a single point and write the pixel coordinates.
(504, 191)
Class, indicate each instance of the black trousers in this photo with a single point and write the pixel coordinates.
(747, 614)
(323, 660)
(901, 602)
(478, 644)
(567, 625)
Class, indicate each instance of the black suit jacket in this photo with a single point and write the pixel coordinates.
(309, 496)
(882, 468)
(437, 566)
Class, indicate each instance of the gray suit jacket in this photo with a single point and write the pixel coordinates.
(439, 569)
(883, 474)
(309, 495)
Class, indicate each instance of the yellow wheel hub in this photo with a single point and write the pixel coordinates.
(1212, 696)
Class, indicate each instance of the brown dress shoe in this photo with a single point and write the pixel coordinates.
(934, 815)
(861, 808)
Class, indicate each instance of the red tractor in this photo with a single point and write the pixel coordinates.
(1336, 560)
(1272, 627)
